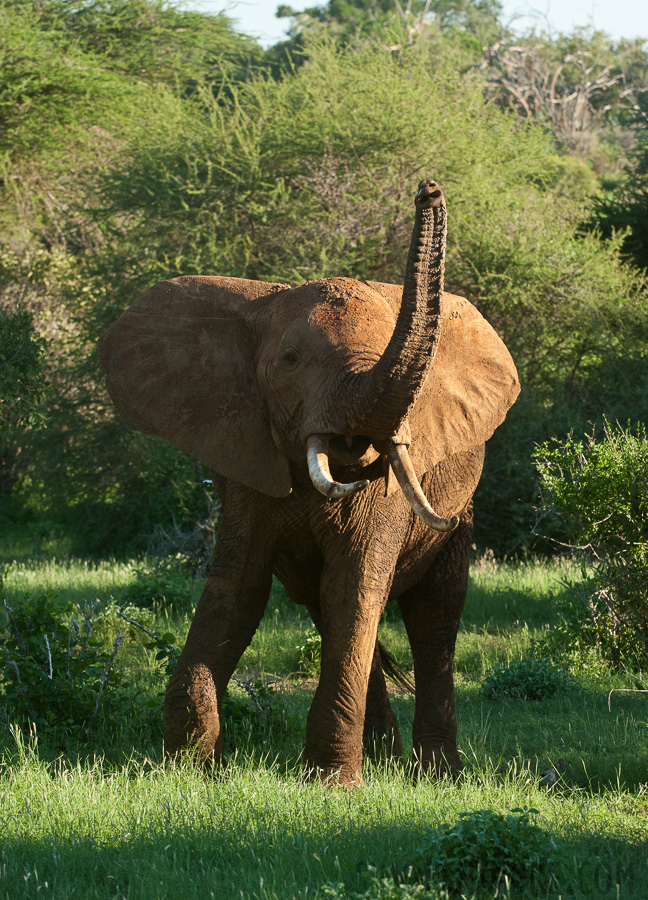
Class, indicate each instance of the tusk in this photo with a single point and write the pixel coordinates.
(401, 463)
(320, 474)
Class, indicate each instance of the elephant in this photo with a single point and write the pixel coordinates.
(345, 424)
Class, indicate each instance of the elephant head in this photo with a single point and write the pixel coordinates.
(250, 377)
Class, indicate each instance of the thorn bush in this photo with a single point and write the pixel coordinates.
(529, 678)
(54, 671)
(598, 487)
(488, 849)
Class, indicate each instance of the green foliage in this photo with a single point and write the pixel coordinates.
(109, 622)
(309, 177)
(310, 654)
(599, 487)
(622, 207)
(22, 379)
(164, 831)
(251, 707)
(354, 20)
(139, 141)
(487, 848)
(79, 80)
(54, 671)
(385, 888)
(530, 678)
(167, 587)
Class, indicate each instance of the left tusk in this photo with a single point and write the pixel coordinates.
(320, 473)
(401, 463)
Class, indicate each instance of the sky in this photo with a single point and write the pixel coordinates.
(620, 18)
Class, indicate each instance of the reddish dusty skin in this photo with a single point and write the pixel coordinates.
(240, 374)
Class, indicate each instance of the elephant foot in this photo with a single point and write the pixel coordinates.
(345, 775)
(191, 724)
(438, 762)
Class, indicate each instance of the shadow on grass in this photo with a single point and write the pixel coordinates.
(248, 842)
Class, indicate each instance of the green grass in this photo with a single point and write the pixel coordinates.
(100, 817)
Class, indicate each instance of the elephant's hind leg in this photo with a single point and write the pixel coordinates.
(431, 612)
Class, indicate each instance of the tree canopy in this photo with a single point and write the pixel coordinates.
(139, 141)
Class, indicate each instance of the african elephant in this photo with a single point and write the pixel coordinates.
(346, 423)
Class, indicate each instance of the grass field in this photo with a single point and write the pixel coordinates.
(100, 817)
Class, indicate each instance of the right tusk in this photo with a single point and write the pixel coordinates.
(401, 463)
(320, 473)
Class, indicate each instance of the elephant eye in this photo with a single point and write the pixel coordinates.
(290, 357)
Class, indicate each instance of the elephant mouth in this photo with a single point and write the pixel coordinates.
(351, 450)
(318, 450)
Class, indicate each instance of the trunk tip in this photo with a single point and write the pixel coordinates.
(429, 194)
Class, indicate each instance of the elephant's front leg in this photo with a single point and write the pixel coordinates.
(380, 731)
(354, 588)
(431, 613)
(228, 614)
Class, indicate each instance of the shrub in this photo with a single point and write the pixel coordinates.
(251, 707)
(599, 487)
(310, 655)
(109, 622)
(385, 888)
(486, 847)
(529, 678)
(53, 670)
(168, 587)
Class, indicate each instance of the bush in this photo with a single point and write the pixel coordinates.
(599, 488)
(486, 847)
(385, 888)
(53, 670)
(166, 587)
(109, 622)
(250, 708)
(310, 655)
(530, 678)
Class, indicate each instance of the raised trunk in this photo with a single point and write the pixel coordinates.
(378, 402)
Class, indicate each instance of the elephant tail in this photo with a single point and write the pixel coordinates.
(394, 670)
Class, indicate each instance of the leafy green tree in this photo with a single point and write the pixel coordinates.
(22, 379)
(311, 176)
(79, 79)
(349, 19)
(220, 167)
(599, 487)
(623, 207)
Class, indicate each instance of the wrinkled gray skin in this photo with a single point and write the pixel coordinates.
(346, 424)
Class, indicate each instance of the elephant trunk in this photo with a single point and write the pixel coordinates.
(379, 403)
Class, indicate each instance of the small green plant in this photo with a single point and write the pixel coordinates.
(386, 888)
(109, 621)
(253, 708)
(599, 488)
(529, 678)
(53, 670)
(167, 653)
(165, 586)
(310, 655)
(487, 848)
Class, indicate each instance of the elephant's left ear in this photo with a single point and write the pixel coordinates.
(180, 364)
(471, 386)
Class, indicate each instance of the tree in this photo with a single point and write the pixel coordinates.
(22, 379)
(573, 83)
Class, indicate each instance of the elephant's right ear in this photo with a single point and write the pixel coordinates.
(180, 363)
